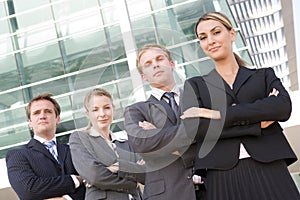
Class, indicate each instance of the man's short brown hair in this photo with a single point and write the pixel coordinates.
(45, 96)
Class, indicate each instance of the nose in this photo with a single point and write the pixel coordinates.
(101, 113)
(155, 64)
(42, 115)
(210, 40)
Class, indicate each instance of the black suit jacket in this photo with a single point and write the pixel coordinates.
(34, 173)
(242, 110)
(168, 176)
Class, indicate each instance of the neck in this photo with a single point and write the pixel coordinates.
(166, 88)
(227, 67)
(105, 134)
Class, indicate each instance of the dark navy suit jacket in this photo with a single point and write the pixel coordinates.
(34, 173)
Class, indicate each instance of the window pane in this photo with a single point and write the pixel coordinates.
(8, 73)
(43, 63)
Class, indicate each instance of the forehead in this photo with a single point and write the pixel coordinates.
(208, 25)
(99, 100)
(41, 104)
(149, 54)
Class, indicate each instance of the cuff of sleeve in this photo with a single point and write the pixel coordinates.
(76, 181)
(67, 197)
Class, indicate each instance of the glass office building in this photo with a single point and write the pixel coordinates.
(67, 47)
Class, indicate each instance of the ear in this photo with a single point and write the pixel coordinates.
(57, 120)
(29, 124)
(233, 34)
(87, 114)
(144, 77)
(172, 64)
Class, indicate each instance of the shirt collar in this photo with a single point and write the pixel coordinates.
(117, 136)
(120, 136)
(158, 93)
(42, 140)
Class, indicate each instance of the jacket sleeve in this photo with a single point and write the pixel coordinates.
(203, 128)
(156, 142)
(95, 172)
(269, 108)
(28, 185)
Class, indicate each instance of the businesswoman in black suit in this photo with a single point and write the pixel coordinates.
(241, 147)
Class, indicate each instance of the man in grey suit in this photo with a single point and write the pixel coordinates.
(152, 128)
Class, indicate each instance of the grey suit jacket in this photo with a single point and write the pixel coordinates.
(91, 155)
(168, 176)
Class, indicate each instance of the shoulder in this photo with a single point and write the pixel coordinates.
(138, 105)
(21, 151)
(77, 135)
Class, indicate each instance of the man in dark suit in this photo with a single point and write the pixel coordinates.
(37, 171)
(152, 128)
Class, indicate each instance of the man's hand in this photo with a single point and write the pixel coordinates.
(197, 179)
(79, 179)
(114, 168)
(146, 125)
(141, 162)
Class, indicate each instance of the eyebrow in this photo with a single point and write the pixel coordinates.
(210, 30)
(156, 57)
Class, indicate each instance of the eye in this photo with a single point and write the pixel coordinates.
(147, 64)
(94, 109)
(107, 107)
(160, 58)
(35, 112)
(202, 37)
(217, 32)
(48, 111)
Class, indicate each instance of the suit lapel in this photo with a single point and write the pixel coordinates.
(37, 146)
(243, 75)
(215, 80)
(162, 107)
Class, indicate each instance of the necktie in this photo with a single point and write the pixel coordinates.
(172, 102)
(50, 146)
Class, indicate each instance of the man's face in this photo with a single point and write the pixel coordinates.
(157, 68)
(43, 119)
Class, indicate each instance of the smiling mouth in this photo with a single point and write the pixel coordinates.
(213, 49)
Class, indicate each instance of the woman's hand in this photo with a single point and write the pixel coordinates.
(201, 112)
(265, 124)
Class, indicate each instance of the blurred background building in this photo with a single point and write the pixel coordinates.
(67, 47)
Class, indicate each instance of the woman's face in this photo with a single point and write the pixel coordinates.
(215, 39)
(100, 112)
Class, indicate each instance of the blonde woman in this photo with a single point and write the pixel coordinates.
(96, 156)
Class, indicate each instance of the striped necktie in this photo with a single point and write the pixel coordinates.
(50, 146)
(172, 102)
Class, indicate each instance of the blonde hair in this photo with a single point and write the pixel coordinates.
(223, 19)
(146, 48)
(95, 92)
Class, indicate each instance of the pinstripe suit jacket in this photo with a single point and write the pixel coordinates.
(34, 173)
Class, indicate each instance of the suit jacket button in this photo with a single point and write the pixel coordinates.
(189, 177)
